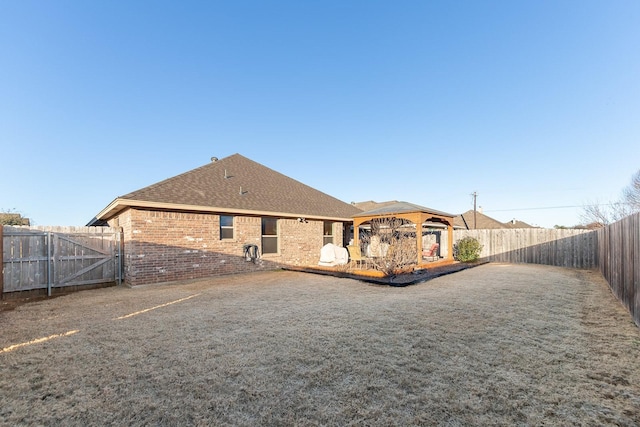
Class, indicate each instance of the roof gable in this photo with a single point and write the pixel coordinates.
(236, 183)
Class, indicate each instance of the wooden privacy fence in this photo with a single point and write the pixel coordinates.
(55, 257)
(562, 248)
(619, 261)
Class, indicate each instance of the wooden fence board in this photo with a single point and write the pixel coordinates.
(563, 248)
(45, 257)
(632, 260)
(2, 258)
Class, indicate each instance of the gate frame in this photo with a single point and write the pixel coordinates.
(51, 257)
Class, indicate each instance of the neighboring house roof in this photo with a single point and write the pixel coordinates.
(482, 221)
(234, 184)
(516, 223)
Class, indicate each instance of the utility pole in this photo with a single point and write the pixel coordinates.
(475, 196)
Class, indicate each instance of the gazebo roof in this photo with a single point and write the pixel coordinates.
(401, 208)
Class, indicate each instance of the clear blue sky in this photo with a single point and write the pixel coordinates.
(533, 104)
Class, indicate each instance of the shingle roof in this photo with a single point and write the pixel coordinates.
(516, 223)
(483, 221)
(370, 204)
(400, 207)
(236, 183)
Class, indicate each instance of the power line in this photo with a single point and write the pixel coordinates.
(551, 207)
(475, 197)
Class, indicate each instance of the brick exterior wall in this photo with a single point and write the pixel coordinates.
(161, 246)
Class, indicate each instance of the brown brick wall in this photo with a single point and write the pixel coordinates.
(162, 246)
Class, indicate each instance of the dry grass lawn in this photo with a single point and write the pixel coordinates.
(494, 345)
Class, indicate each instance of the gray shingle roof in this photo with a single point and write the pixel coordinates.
(401, 207)
(238, 183)
(370, 204)
(483, 221)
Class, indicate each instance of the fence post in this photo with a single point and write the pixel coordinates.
(48, 240)
(2, 262)
(119, 255)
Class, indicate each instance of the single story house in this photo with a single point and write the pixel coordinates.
(479, 221)
(231, 215)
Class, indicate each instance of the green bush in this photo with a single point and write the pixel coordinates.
(467, 249)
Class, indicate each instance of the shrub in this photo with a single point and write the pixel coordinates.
(395, 246)
(10, 217)
(467, 249)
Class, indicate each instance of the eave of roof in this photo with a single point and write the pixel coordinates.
(120, 204)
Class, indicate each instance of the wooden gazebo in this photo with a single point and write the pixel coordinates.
(418, 215)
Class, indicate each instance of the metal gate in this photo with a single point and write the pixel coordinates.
(36, 258)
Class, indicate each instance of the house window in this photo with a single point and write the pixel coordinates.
(328, 233)
(226, 227)
(269, 236)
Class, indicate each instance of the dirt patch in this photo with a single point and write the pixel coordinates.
(12, 303)
(494, 345)
(11, 300)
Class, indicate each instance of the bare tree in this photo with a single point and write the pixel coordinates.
(596, 214)
(631, 194)
(392, 245)
(602, 214)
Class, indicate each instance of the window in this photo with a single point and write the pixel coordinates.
(328, 233)
(226, 227)
(269, 236)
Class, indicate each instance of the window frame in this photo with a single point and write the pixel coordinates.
(227, 227)
(325, 236)
(275, 236)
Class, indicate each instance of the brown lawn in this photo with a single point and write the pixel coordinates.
(494, 345)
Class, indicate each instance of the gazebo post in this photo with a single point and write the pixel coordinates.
(450, 242)
(356, 233)
(418, 223)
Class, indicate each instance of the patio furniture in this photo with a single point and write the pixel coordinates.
(355, 256)
(331, 255)
(376, 249)
(431, 254)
